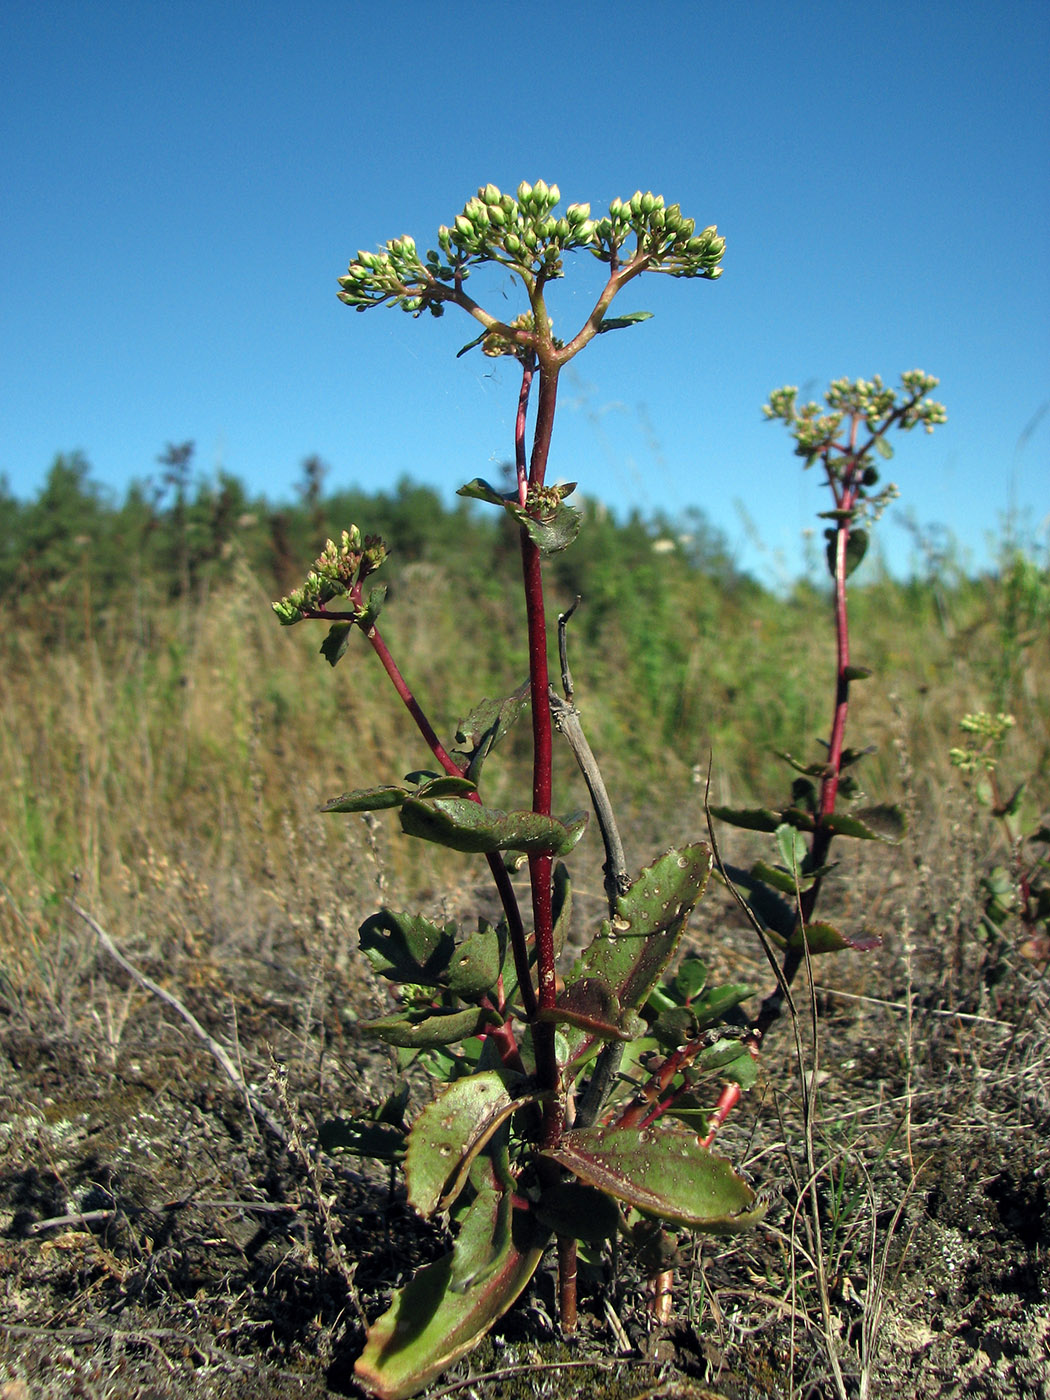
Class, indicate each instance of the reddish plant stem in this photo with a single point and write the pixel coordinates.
(844, 488)
(504, 887)
(519, 430)
(540, 866)
(567, 1313)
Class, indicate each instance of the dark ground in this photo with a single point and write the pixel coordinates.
(157, 1240)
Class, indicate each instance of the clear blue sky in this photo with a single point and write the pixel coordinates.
(184, 181)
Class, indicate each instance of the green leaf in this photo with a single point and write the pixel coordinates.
(856, 548)
(779, 879)
(750, 818)
(462, 825)
(554, 531)
(776, 914)
(578, 1212)
(408, 947)
(480, 490)
(447, 786)
(631, 950)
(363, 1137)
(486, 725)
(717, 1001)
(336, 642)
(424, 1027)
(883, 448)
(858, 673)
(690, 979)
(664, 1172)
(811, 770)
(367, 799)
(471, 344)
(450, 1132)
(590, 1004)
(825, 938)
(367, 616)
(450, 1305)
(619, 323)
(793, 849)
(882, 823)
(477, 962)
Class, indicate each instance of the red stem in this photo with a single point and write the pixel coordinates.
(504, 887)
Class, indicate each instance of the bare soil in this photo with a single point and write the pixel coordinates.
(158, 1239)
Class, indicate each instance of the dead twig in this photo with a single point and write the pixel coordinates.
(254, 1105)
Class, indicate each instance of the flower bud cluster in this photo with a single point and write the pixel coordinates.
(336, 571)
(497, 342)
(867, 400)
(668, 241)
(521, 231)
(544, 501)
(395, 274)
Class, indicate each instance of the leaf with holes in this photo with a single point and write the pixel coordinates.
(664, 1172)
(450, 1305)
(450, 1132)
(462, 825)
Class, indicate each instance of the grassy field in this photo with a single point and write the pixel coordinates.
(162, 762)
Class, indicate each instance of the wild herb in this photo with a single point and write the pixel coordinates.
(580, 1107)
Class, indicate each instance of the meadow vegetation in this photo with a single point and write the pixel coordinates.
(162, 760)
(531, 1072)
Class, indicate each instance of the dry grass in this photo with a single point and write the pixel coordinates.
(171, 781)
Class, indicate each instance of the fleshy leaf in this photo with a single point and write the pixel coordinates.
(811, 770)
(408, 947)
(590, 1004)
(446, 785)
(372, 799)
(882, 823)
(450, 1305)
(825, 938)
(462, 825)
(367, 616)
(664, 1172)
(619, 323)
(554, 531)
(476, 964)
(779, 879)
(856, 548)
(486, 725)
(717, 1001)
(336, 642)
(858, 673)
(480, 490)
(424, 1027)
(750, 818)
(792, 847)
(631, 950)
(690, 979)
(450, 1132)
(776, 914)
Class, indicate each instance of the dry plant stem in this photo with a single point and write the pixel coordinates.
(255, 1108)
(567, 720)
